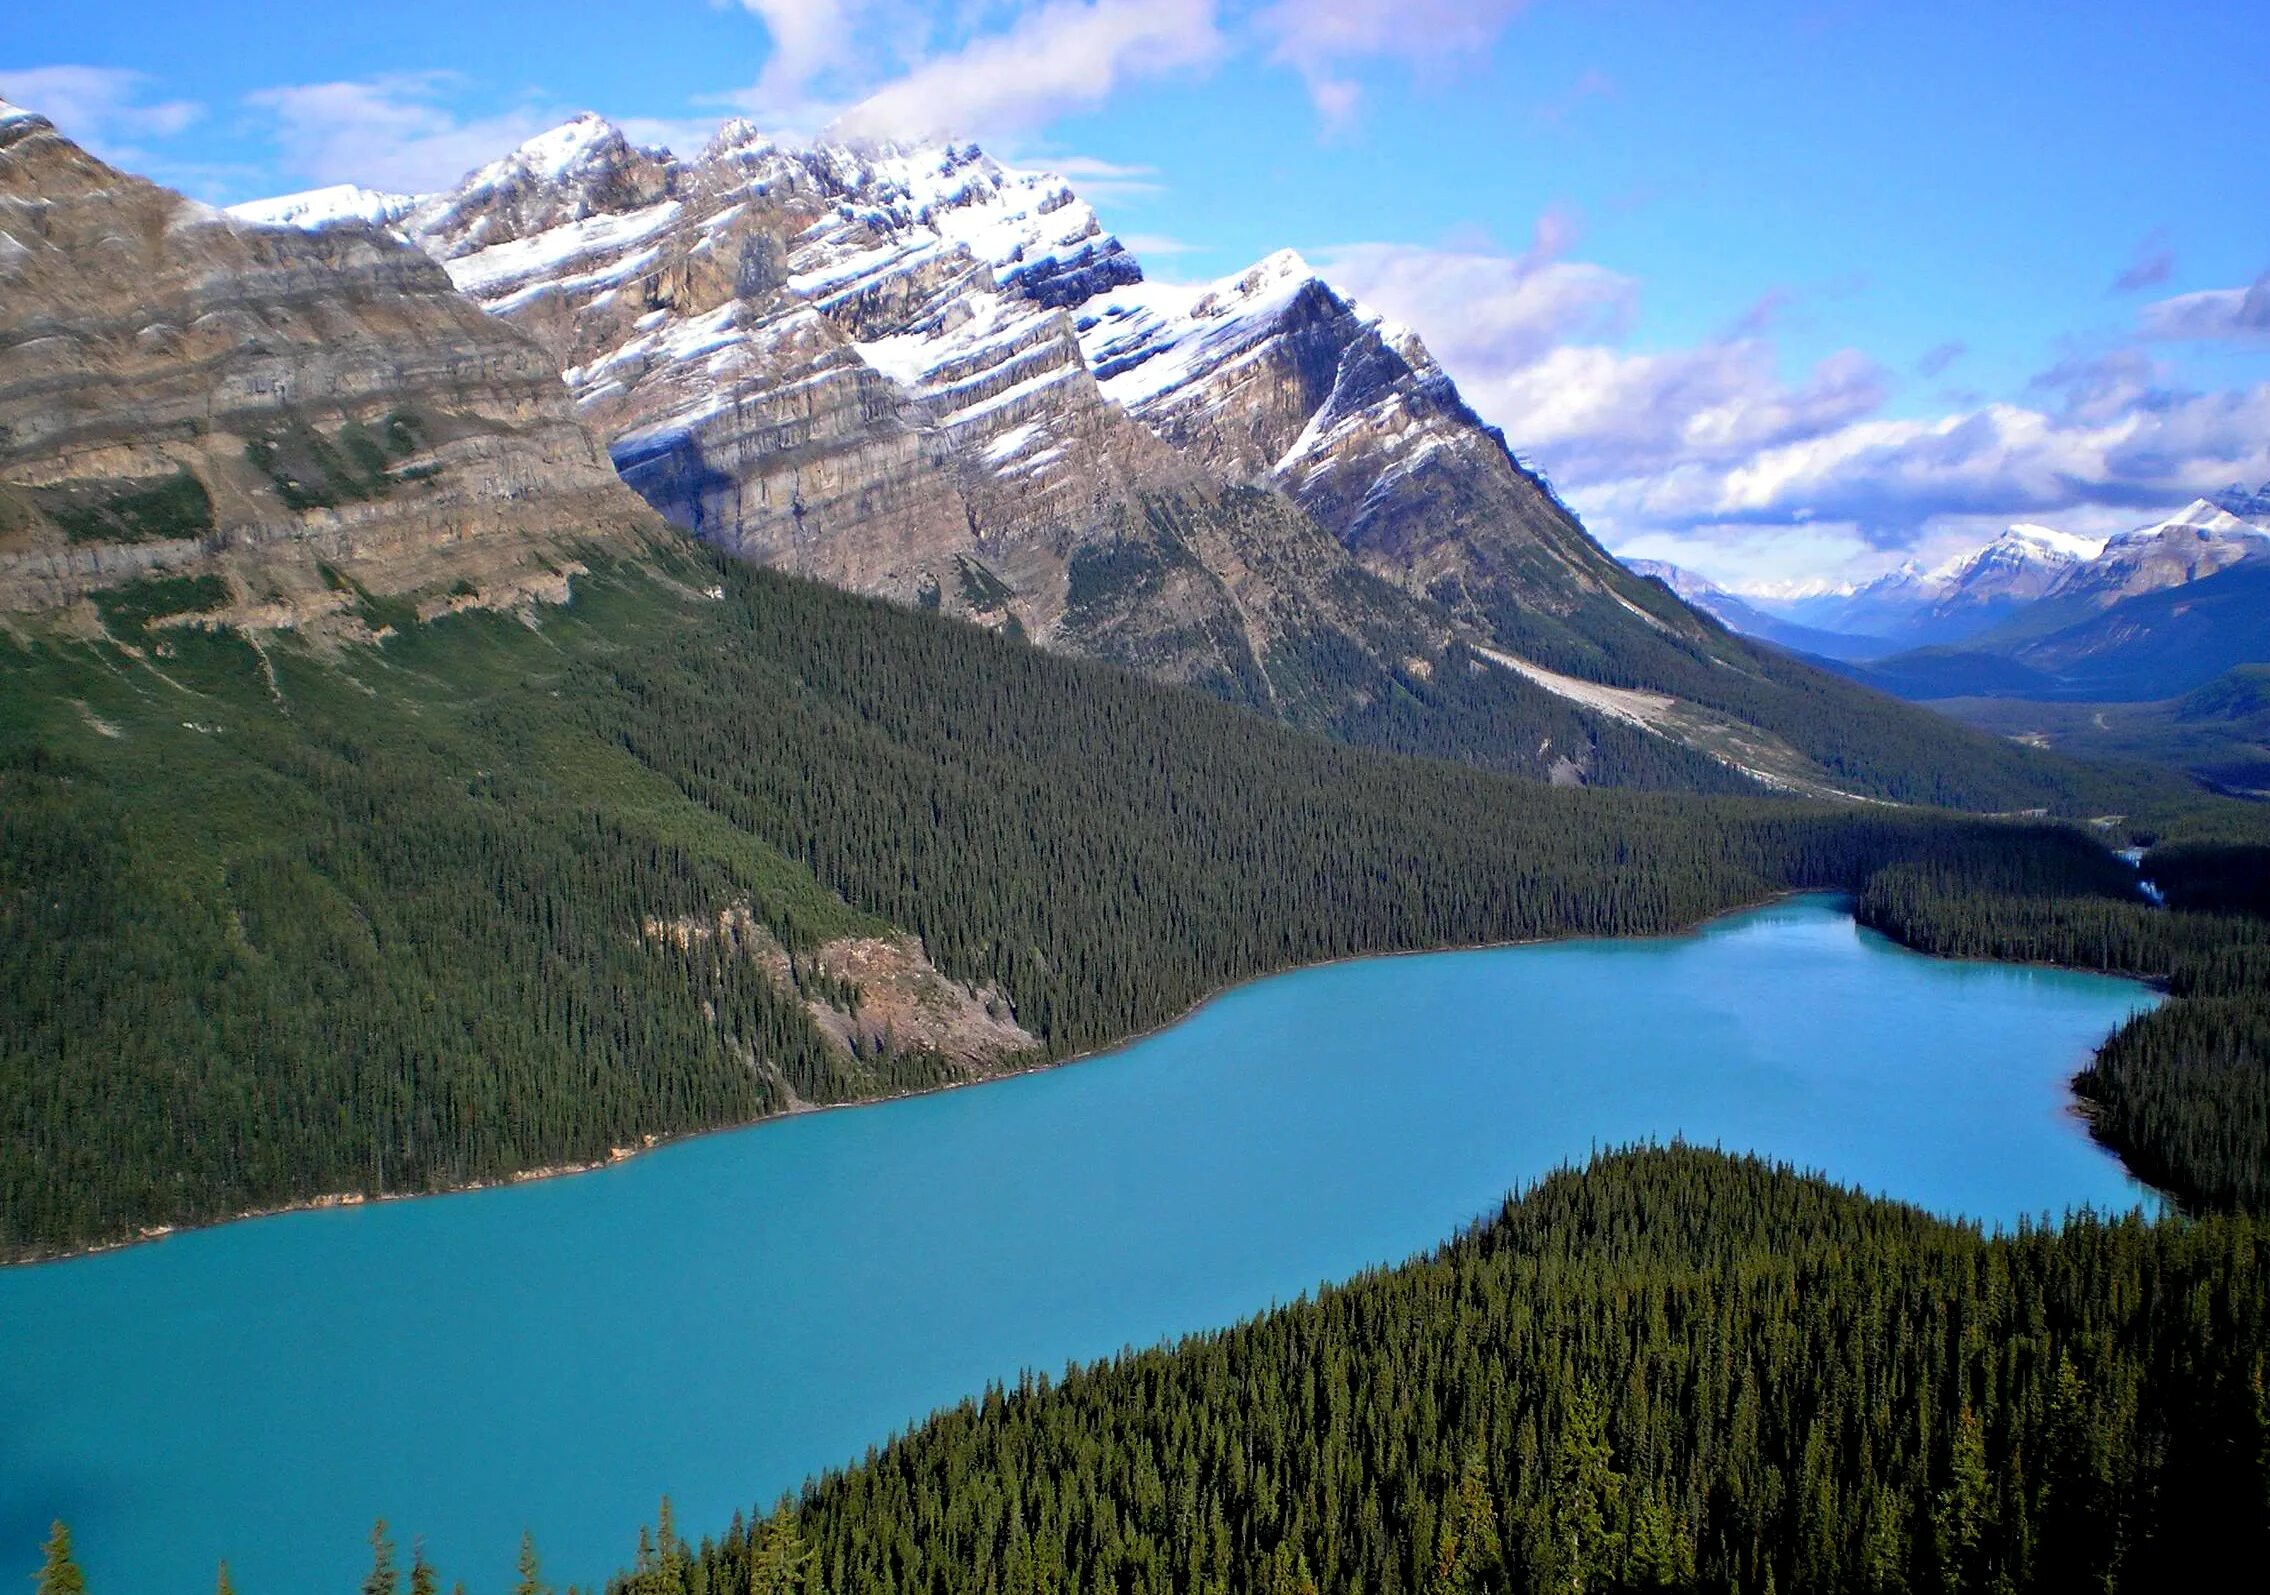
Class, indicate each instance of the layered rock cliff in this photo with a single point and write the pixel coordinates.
(298, 422)
(913, 371)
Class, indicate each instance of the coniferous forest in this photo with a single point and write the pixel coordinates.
(1673, 1370)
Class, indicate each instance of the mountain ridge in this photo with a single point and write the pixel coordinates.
(284, 424)
(912, 371)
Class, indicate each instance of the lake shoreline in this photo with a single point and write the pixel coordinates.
(653, 1142)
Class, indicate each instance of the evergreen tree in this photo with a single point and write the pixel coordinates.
(531, 1581)
(778, 1561)
(382, 1579)
(1469, 1559)
(1588, 1495)
(223, 1584)
(1963, 1507)
(423, 1579)
(59, 1574)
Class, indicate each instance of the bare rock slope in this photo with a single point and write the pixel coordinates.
(284, 416)
(910, 370)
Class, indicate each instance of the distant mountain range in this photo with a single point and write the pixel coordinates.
(2039, 613)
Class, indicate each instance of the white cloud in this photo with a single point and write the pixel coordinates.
(2214, 314)
(105, 109)
(1484, 313)
(808, 38)
(1147, 245)
(1057, 58)
(1097, 178)
(1320, 38)
(1531, 340)
(393, 131)
(1905, 484)
(1746, 558)
(1709, 456)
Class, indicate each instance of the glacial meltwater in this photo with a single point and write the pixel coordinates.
(725, 1316)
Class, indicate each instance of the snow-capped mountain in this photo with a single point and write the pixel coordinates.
(2030, 580)
(2024, 563)
(324, 207)
(2045, 614)
(915, 371)
(2197, 541)
(1745, 615)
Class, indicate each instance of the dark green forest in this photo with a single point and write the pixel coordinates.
(1674, 1370)
(277, 922)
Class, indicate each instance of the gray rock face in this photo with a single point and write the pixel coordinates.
(914, 372)
(2203, 539)
(185, 394)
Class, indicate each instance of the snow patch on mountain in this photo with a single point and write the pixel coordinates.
(1148, 340)
(550, 259)
(318, 208)
(2051, 542)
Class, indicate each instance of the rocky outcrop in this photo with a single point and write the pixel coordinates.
(872, 996)
(1274, 378)
(299, 421)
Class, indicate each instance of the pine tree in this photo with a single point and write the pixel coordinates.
(59, 1574)
(531, 1571)
(2076, 1548)
(1587, 1491)
(1468, 1555)
(778, 1559)
(423, 1579)
(1883, 1553)
(670, 1554)
(1962, 1509)
(382, 1578)
(224, 1585)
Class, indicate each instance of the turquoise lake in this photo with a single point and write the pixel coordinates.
(727, 1315)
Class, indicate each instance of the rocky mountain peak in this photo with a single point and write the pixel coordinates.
(2247, 505)
(738, 138)
(291, 418)
(583, 168)
(2025, 562)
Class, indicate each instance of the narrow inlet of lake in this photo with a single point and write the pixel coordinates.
(723, 1317)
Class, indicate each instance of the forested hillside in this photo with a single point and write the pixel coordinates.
(286, 919)
(1673, 1370)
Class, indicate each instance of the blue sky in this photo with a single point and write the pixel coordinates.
(1771, 289)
